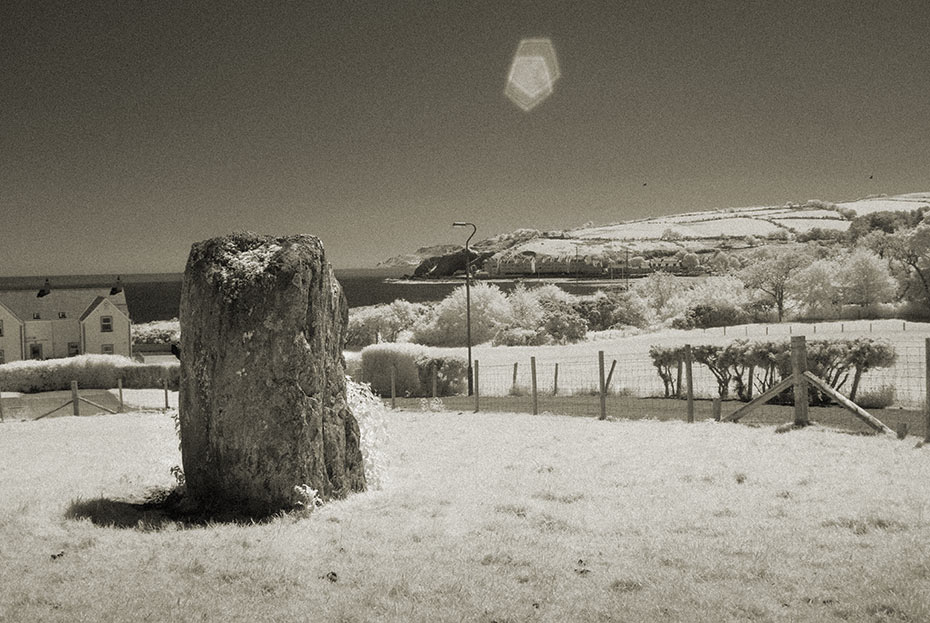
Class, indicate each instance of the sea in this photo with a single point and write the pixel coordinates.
(158, 296)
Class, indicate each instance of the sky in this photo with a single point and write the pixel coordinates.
(130, 130)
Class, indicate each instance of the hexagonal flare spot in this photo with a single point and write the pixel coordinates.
(532, 74)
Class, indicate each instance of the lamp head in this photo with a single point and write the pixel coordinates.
(459, 224)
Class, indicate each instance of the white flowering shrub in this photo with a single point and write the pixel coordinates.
(371, 415)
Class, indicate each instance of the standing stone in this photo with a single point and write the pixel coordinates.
(263, 393)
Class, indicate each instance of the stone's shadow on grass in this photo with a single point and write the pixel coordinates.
(160, 509)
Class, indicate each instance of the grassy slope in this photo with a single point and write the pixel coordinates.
(486, 518)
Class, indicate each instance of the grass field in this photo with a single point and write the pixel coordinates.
(487, 517)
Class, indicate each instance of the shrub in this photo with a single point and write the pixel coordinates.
(451, 374)
(377, 361)
(563, 323)
(609, 310)
(713, 314)
(880, 398)
(516, 336)
(90, 371)
(157, 332)
(413, 365)
(525, 309)
(372, 324)
(371, 416)
(445, 324)
(667, 361)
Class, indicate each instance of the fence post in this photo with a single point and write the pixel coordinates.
(476, 386)
(716, 409)
(393, 386)
(610, 375)
(433, 374)
(75, 399)
(119, 384)
(678, 381)
(600, 366)
(689, 379)
(164, 383)
(555, 380)
(1, 404)
(514, 384)
(927, 389)
(533, 377)
(799, 367)
(902, 430)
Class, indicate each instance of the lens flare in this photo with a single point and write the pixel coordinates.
(532, 74)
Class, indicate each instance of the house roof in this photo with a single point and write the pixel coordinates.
(73, 301)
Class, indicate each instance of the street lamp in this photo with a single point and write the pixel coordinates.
(468, 296)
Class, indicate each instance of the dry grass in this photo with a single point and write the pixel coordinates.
(484, 517)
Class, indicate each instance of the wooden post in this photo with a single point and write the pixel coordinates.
(555, 380)
(514, 384)
(476, 385)
(119, 384)
(902, 430)
(603, 388)
(164, 383)
(927, 388)
(533, 378)
(798, 368)
(393, 386)
(716, 409)
(433, 374)
(678, 382)
(610, 375)
(75, 399)
(689, 379)
(841, 327)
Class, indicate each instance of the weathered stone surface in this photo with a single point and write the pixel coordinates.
(263, 406)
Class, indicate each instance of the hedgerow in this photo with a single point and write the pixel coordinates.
(90, 372)
(754, 367)
(413, 365)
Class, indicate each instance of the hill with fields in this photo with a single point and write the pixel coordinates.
(654, 242)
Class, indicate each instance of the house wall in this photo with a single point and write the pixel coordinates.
(63, 332)
(11, 340)
(94, 339)
(39, 332)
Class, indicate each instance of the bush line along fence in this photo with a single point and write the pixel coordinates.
(633, 387)
(87, 372)
(77, 399)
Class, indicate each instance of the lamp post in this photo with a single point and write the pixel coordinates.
(468, 297)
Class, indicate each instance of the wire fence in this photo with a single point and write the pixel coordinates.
(634, 389)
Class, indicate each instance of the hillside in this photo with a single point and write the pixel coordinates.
(652, 242)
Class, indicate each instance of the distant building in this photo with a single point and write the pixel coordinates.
(63, 323)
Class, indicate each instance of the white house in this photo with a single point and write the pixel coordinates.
(63, 323)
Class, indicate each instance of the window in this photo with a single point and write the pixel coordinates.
(1, 328)
(36, 316)
(62, 315)
(2, 358)
(74, 349)
(106, 324)
(106, 349)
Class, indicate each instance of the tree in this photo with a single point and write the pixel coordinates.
(445, 325)
(816, 288)
(909, 251)
(864, 279)
(658, 289)
(770, 268)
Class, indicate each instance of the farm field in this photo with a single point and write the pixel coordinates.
(487, 517)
